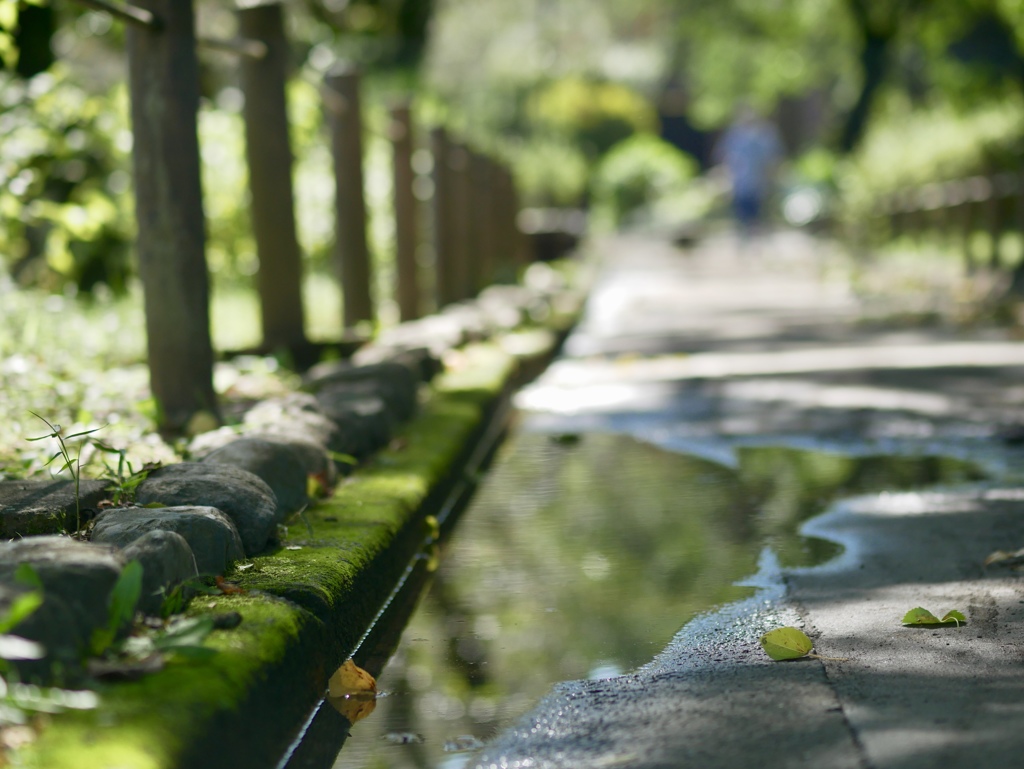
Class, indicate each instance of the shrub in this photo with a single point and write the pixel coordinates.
(635, 174)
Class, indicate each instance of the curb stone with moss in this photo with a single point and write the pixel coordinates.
(305, 603)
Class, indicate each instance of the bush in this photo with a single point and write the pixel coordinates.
(635, 174)
(550, 173)
(593, 115)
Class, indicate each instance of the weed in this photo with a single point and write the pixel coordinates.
(123, 599)
(72, 465)
(125, 479)
(176, 599)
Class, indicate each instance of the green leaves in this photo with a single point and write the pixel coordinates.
(786, 643)
(123, 599)
(789, 643)
(921, 616)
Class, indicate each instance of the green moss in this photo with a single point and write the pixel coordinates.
(306, 604)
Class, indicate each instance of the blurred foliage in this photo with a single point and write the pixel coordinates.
(552, 87)
(635, 174)
(64, 182)
(550, 172)
(593, 116)
(947, 144)
(80, 364)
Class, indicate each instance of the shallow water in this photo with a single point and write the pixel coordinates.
(582, 556)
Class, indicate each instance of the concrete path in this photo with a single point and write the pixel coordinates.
(711, 349)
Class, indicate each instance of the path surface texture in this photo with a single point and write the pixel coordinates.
(711, 349)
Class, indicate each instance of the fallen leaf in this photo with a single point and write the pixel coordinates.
(920, 616)
(350, 679)
(353, 708)
(228, 588)
(352, 691)
(1003, 558)
(786, 643)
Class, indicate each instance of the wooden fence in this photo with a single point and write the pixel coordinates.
(473, 208)
(955, 212)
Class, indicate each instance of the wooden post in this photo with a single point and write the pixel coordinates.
(269, 157)
(522, 251)
(444, 231)
(164, 88)
(505, 222)
(462, 196)
(342, 97)
(407, 290)
(475, 208)
(487, 237)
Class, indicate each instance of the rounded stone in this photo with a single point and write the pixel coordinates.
(211, 535)
(279, 464)
(55, 627)
(79, 575)
(299, 415)
(167, 560)
(243, 497)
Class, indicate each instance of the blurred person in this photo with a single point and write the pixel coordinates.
(750, 151)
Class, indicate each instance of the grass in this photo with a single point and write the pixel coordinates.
(80, 363)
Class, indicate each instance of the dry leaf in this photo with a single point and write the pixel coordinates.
(1003, 558)
(353, 708)
(352, 691)
(350, 679)
(228, 588)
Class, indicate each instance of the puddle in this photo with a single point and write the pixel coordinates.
(581, 557)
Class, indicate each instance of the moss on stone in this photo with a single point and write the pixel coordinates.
(306, 604)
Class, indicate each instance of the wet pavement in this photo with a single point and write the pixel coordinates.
(716, 353)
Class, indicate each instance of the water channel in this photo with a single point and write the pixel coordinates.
(581, 556)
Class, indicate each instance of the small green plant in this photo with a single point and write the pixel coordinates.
(71, 464)
(123, 599)
(176, 598)
(124, 479)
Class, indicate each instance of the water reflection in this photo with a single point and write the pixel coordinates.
(582, 558)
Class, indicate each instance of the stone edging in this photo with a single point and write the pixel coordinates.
(309, 598)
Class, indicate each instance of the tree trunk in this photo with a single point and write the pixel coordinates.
(164, 87)
(269, 157)
(874, 60)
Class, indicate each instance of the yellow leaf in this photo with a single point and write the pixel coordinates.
(352, 691)
(354, 709)
(349, 680)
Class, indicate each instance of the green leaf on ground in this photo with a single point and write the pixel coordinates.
(921, 616)
(786, 643)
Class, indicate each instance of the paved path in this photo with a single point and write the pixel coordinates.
(712, 349)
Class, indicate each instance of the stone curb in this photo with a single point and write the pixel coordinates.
(309, 598)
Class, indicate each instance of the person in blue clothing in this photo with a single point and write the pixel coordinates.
(750, 150)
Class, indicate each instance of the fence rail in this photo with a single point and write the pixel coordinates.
(957, 210)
